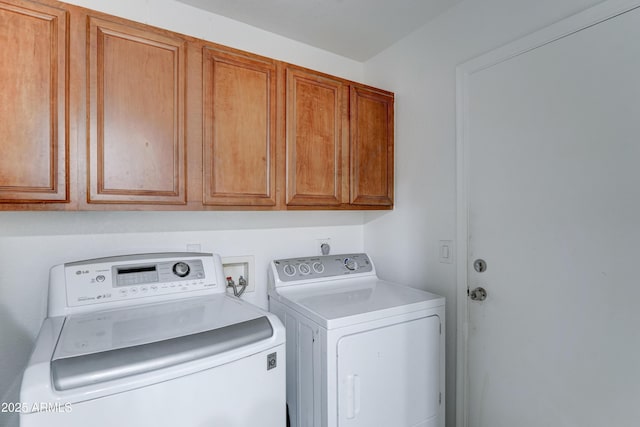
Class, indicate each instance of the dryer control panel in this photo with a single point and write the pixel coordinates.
(135, 276)
(322, 267)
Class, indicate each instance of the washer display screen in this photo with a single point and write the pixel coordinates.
(136, 275)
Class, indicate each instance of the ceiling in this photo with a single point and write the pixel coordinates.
(356, 29)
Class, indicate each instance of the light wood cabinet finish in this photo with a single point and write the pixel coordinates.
(136, 92)
(315, 144)
(34, 146)
(239, 129)
(371, 147)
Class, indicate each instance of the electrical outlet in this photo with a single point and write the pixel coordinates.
(236, 266)
(320, 242)
(193, 247)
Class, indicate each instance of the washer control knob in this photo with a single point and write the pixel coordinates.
(181, 269)
(304, 269)
(318, 267)
(289, 270)
(351, 264)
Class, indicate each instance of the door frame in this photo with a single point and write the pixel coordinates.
(566, 27)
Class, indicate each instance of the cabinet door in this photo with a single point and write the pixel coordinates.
(33, 103)
(316, 122)
(136, 114)
(371, 147)
(239, 129)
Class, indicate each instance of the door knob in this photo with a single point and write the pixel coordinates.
(478, 294)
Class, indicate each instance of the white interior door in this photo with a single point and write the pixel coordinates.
(552, 154)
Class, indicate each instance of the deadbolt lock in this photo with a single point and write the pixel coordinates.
(480, 265)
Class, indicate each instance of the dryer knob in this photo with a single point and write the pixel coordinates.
(304, 269)
(181, 269)
(318, 267)
(289, 270)
(351, 264)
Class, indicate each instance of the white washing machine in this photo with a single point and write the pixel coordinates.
(153, 340)
(360, 351)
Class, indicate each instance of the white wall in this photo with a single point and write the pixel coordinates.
(420, 69)
(185, 19)
(31, 242)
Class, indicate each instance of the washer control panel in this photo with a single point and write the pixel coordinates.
(136, 276)
(292, 269)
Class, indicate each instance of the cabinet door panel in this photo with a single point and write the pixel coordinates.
(371, 147)
(239, 129)
(314, 139)
(33, 103)
(136, 115)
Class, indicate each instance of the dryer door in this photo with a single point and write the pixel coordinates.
(390, 376)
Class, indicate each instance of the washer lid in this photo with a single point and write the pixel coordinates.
(113, 344)
(345, 302)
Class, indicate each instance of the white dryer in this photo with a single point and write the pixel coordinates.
(153, 340)
(360, 351)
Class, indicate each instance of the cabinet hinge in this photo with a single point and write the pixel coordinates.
(439, 398)
(440, 328)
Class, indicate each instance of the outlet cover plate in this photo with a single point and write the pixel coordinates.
(320, 242)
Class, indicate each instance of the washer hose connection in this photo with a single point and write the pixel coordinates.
(242, 283)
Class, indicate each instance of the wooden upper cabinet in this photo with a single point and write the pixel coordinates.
(136, 91)
(95, 111)
(239, 129)
(34, 97)
(316, 138)
(371, 147)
